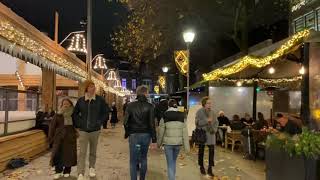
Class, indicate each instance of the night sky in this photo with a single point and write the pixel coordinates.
(40, 13)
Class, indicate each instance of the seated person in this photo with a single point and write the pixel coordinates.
(247, 120)
(262, 123)
(236, 123)
(288, 124)
(223, 120)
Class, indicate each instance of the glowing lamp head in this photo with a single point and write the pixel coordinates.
(239, 83)
(188, 36)
(165, 69)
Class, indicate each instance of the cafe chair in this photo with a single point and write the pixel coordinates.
(233, 138)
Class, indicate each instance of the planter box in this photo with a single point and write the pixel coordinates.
(280, 166)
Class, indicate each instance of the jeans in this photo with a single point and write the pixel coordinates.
(201, 154)
(86, 139)
(172, 152)
(139, 146)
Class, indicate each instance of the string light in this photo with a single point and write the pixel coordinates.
(271, 70)
(100, 62)
(112, 76)
(162, 81)
(181, 60)
(239, 83)
(19, 79)
(117, 84)
(257, 61)
(47, 57)
(301, 70)
(156, 89)
(78, 44)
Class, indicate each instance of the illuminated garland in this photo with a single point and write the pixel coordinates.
(181, 60)
(257, 61)
(261, 80)
(37, 53)
(162, 81)
(156, 89)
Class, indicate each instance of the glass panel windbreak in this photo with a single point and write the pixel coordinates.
(310, 21)
(318, 19)
(299, 24)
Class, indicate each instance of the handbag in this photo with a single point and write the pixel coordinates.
(199, 136)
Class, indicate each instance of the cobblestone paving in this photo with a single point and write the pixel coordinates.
(113, 164)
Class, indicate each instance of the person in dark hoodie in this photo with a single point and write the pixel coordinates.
(88, 116)
(139, 124)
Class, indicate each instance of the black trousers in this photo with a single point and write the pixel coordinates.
(105, 123)
(201, 155)
(58, 163)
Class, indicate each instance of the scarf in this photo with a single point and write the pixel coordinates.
(67, 115)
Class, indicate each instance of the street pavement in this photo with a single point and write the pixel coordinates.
(113, 164)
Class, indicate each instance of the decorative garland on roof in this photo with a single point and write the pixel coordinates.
(261, 80)
(257, 61)
(18, 44)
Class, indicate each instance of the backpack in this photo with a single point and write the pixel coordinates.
(16, 163)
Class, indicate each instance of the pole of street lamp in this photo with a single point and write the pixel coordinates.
(89, 37)
(188, 76)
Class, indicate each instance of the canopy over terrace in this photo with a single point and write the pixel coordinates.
(20, 39)
(285, 56)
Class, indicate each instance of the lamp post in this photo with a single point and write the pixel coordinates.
(188, 37)
(165, 69)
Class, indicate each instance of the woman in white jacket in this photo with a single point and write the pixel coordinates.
(172, 135)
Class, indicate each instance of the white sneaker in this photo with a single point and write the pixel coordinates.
(92, 172)
(80, 177)
(57, 176)
(66, 175)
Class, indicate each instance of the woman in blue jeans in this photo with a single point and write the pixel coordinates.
(172, 135)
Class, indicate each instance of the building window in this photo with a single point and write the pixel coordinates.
(310, 21)
(299, 24)
(134, 83)
(318, 19)
(124, 83)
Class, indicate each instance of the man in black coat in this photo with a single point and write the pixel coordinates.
(139, 124)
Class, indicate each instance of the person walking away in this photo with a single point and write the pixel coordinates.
(114, 115)
(173, 134)
(124, 107)
(205, 120)
(160, 109)
(89, 114)
(63, 136)
(223, 121)
(105, 122)
(139, 124)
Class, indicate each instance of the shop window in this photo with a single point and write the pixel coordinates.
(310, 21)
(299, 24)
(134, 84)
(124, 83)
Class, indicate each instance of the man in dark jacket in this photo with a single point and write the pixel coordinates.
(139, 124)
(89, 114)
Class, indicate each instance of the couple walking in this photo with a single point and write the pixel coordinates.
(139, 124)
(83, 121)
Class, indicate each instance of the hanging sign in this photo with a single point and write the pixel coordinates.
(181, 60)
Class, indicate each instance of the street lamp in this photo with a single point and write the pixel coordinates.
(165, 69)
(188, 37)
(78, 42)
